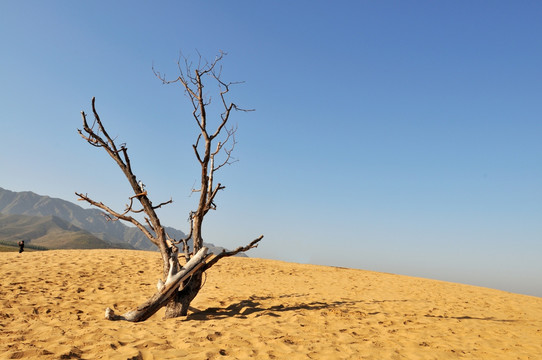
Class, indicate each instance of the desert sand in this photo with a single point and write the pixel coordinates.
(53, 302)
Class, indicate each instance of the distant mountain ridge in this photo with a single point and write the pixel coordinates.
(114, 233)
(49, 232)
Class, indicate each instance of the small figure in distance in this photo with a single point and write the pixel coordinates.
(21, 246)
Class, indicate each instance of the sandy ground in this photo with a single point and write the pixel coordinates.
(52, 307)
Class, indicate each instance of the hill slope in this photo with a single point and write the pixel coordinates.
(49, 232)
(91, 220)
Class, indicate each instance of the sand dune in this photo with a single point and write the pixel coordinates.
(52, 307)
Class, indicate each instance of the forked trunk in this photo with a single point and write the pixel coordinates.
(179, 304)
(168, 290)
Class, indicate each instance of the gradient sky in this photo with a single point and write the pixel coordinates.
(395, 136)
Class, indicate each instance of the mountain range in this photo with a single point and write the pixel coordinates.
(49, 232)
(59, 224)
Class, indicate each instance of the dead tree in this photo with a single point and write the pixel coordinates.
(181, 284)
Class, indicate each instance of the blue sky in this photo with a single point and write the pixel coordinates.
(393, 136)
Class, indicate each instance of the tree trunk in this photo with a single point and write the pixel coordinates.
(170, 289)
(180, 302)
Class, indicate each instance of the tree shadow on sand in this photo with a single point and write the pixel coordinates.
(466, 317)
(254, 304)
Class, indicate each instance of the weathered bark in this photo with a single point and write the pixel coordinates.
(164, 295)
(180, 302)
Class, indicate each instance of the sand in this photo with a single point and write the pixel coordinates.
(53, 302)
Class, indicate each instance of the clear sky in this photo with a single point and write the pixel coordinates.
(395, 136)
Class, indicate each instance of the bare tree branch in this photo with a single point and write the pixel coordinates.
(161, 204)
(118, 216)
(129, 207)
(227, 161)
(253, 244)
(213, 149)
(149, 224)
